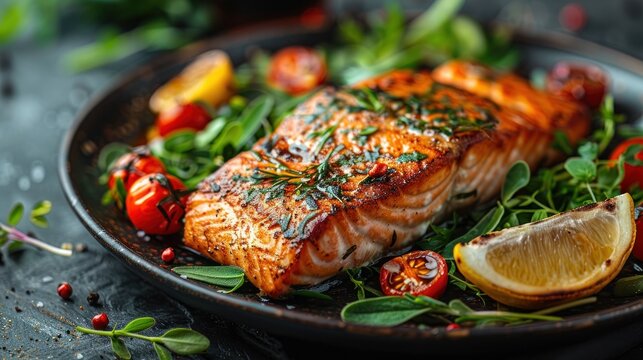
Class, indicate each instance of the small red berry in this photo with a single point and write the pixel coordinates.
(100, 321)
(168, 255)
(573, 17)
(452, 326)
(64, 290)
(377, 170)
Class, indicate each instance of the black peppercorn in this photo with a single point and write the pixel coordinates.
(92, 298)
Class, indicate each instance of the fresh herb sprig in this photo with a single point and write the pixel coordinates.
(14, 238)
(181, 341)
(316, 180)
(356, 276)
(438, 34)
(395, 310)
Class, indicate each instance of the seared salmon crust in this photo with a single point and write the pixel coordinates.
(354, 174)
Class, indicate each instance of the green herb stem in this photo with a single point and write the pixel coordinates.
(565, 306)
(18, 235)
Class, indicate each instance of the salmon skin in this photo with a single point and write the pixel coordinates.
(355, 174)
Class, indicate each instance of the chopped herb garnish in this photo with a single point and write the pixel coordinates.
(411, 157)
(368, 131)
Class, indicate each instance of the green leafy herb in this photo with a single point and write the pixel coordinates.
(463, 284)
(368, 131)
(394, 310)
(120, 350)
(9, 234)
(310, 294)
(516, 179)
(181, 341)
(139, 324)
(38, 213)
(324, 136)
(15, 215)
(411, 157)
(629, 286)
(486, 224)
(230, 277)
(355, 276)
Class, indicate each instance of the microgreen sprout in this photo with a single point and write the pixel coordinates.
(10, 235)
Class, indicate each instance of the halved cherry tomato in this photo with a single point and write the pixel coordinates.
(637, 251)
(187, 116)
(156, 205)
(296, 70)
(417, 273)
(581, 82)
(132, 166)
(633, 174)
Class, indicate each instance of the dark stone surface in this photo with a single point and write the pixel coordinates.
(37, 103)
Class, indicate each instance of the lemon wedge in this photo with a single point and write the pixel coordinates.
(564, 257)
(209, 78)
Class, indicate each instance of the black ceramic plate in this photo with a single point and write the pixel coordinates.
(121, 114)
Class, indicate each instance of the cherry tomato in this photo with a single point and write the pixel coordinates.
(637, 251)
(417, 273)
(581, 82)
(296, 70)
(155, 204)
(187, 116)
(132, 166)
(633, 174)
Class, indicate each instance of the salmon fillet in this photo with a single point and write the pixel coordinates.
(355, 174)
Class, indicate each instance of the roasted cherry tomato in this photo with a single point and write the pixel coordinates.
(296, 70)
(132, 166)
(633, 174)
(417, 273)
(637, 251)
(156, 204)
(580, 82)
(188, 116)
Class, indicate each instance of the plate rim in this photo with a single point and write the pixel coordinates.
(248, 310)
